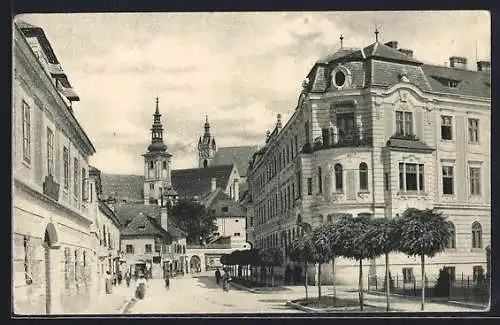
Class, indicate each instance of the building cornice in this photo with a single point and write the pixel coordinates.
(38, 73)
(40, 196)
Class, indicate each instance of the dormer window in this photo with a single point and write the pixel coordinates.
(141, 227)
(450, 83)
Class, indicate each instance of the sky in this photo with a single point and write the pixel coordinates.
(241, 69)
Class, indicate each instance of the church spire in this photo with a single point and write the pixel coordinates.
(157, 131)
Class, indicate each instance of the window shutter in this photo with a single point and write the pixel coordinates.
(85, 189)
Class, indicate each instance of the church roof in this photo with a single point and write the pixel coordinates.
(123, 187)
(198, 181)
(240, 156)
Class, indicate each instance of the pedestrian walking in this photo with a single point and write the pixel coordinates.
(140, 287)
(127, 278)
(225, 281)
(119, 278)
(167, 281)
(217, 276)
(108, 283)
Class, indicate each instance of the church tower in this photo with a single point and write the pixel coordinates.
(206, 147)
(156, 164)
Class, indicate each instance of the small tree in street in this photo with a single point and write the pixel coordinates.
(271, 257)
(384, 237)
(423, 233)
(300, 250)
(352, 234)
(324, 241)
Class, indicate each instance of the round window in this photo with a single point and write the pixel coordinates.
(339, 78)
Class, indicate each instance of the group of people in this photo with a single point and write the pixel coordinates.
(225, 279)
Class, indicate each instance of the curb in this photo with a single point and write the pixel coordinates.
(295, 305)
(469, 305)
(253, 290)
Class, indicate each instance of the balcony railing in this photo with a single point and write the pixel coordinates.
(356, 139)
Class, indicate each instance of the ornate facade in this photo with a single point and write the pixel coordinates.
(376, 131)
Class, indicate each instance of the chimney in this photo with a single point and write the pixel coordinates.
(164, 218)
(458, 62)
(393, 44)
(278, 122)
(214, 184)
(483, 66)
(236, 190)
(407, 52)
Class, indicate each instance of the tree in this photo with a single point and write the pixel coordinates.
(324, 248)
(353, 235)
(195, 219)
(384, 237)
(300, 250)
(423, 233)
(271, 257)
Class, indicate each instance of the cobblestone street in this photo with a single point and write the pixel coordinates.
(203, 295)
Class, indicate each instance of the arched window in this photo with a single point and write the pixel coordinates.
(451, 240)
(338, 177)
(476, 235)
(363, 176)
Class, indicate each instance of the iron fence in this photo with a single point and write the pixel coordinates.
(463, 288)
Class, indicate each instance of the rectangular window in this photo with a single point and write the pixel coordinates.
(446, 128)
(50, 152)
(404, 123)
(421, 178)
(26, 132)
(293, 193)
(475, 180)
(251, 221)
(386, 181)
(400, 129)
(289, 193)
(476, 271)
(401, 176)
(309, 186)
(76, 181)
(306, 131)
(320, 181)
(473, 130)
(345, 126)
(325, 134)
(447, 180)
(164, 164)
(296, 144)
(299, 184)
(129, 249)
(408, 274)
(66, 167)
(148, 248)
(411, 177)
(451, 272)
(85, 185)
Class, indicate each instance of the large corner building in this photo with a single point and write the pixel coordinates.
(376, 131)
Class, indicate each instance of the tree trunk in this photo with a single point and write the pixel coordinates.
(422, 259)
(319, 281)
(305, 280)
(361, 284)
(272, 276)
(333, 278)
(387, 283)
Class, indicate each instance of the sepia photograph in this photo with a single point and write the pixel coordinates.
(306, 163)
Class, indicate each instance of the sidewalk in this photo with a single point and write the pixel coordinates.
(397, 304)
(112, 303)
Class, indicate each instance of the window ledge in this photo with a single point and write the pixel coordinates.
(474, 143)
(477, 250)
(449, 141)
(26, 163)
(412, 193)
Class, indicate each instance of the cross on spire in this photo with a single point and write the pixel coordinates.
(376, 33)
(341, 41)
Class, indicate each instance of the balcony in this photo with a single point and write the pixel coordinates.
(354, 139)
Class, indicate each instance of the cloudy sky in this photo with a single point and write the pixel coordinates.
(239, 68)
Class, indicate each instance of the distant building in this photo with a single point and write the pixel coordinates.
(53, 257)
(376, 131)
